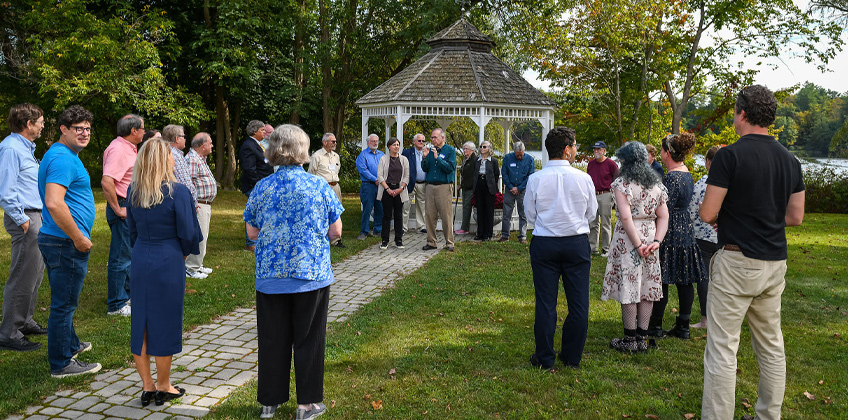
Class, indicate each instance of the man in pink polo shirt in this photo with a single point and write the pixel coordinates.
(118, 161)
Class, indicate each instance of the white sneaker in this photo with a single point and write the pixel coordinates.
(125, 311)
(205, 270)
(196, 274)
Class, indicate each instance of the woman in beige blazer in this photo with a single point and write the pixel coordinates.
(392, 178)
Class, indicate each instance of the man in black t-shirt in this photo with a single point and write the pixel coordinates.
(755, 189)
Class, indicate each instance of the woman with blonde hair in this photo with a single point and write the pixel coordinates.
(163, 231)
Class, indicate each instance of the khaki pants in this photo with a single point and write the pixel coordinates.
(602, 225)
(439, 204)
(418, 192)
(204, 215)
(742, 287)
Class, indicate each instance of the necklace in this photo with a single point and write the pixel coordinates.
(671, 169)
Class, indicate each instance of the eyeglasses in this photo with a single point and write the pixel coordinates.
(331, 141)
(743, 97)
(419, 141)
(433, 137)
(81, 130)
(484, 147)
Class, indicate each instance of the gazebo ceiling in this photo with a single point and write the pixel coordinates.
(459, 68)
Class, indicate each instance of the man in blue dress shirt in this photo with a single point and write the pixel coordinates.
(22, 206)
(366, 164)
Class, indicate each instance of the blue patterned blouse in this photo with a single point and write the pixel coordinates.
(293, 211)
(703, 231)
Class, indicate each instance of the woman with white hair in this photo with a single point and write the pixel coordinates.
(466, 184)
(633, 276)
(485, 188)
(292, 216)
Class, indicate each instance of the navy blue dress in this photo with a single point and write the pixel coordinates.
(680, 257)
(161, 237)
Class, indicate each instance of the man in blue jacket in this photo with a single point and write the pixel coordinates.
(440, 164)
(366, 164)
(516, 169)
(417, 183)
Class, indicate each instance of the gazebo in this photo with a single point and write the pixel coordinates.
(459, 77)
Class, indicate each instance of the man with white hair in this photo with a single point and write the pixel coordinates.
(253, 166)
(440, 164)
(517, 168)
(366, 164)
(207, 189)
(326, 163)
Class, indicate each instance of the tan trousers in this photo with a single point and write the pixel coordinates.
(418, 193)
(439, 204)
(204, 216)
(740, 288)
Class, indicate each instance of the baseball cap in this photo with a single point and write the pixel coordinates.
(600, 145)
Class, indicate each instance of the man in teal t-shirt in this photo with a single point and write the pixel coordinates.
(65, 238)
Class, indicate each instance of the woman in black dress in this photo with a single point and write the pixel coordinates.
(680, 258)
(485, 187)
(163, 231)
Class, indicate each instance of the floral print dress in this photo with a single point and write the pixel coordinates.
(680, 256)
(629, 277)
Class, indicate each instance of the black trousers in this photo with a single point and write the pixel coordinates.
(567, 258)
(485, 202)
(708, 249)
(392, 208)
(286, 323)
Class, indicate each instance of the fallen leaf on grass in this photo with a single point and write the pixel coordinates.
(745, 403)
(809, 396)
(821, 382)
(332, 402)
(367, 397)
(651, 416)
(190, 291)
(689, 416)
(392, 371)
(378, 405)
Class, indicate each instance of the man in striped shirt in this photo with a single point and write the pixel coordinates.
(207, 189)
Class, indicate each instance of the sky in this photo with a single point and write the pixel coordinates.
(790, 71)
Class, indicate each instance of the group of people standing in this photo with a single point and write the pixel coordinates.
(152, 211)
(754, 190)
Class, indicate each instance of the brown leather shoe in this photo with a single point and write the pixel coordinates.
(522, 241)
(503, 239)
(251, 248)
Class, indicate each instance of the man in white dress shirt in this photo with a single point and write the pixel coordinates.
(560, 203)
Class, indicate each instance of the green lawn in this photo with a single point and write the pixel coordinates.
(452, 340)
(27, 375)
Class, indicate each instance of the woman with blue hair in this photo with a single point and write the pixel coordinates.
(633, 275)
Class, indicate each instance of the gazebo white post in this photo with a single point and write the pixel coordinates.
(481, 124)
(400, 120)
(389, 122)
(363, 143)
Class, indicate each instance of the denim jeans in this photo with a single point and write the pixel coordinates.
(368, 197)
(120, 255)
(66, 269)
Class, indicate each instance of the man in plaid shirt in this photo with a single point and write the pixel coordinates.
(207, 189)
(175, 135)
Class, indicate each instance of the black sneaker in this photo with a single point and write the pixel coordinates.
(33, 330)
(399, 245)
(384, 245)
(22, 344)
(76, 367)
(339, 244)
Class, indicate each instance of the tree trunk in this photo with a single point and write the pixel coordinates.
(298, 53)
(326, 70)
(222, 134)
(679, 107)
(232, 136)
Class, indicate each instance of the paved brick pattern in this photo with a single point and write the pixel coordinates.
(218, 358)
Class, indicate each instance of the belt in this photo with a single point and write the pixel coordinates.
(333, 183)
(729, 247)
(36, 210)
(207, 202)
(601, 192)
(437, 183)
(393, 185)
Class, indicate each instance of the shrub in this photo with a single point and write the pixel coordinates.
(827, 191)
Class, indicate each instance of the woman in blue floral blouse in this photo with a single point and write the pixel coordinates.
(293, 216)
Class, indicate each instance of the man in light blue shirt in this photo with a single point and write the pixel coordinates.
(516, 169)
(366, 164)
(22, 206)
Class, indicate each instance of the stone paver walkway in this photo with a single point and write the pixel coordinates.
(217, 358)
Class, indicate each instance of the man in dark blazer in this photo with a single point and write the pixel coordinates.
(253, 165)
(417, 183)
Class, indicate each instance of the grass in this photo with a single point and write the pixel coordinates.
(27, 375)
(452, 340)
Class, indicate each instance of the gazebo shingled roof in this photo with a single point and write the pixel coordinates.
(459, 68)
